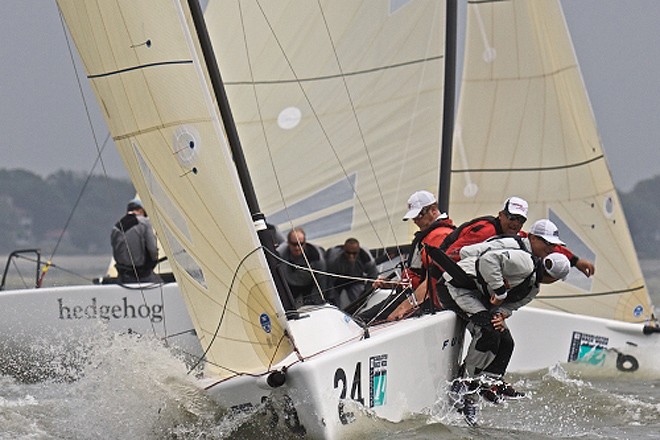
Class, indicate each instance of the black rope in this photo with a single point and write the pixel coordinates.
(221, 319)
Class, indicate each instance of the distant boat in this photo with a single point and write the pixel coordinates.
(45, 332)
(525, 127)
(337, 105)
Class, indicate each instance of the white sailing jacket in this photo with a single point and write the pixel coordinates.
(500, 263)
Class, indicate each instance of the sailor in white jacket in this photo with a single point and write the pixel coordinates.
(503, 276)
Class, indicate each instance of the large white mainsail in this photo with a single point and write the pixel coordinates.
(525, 127)
(338, 105)
(146, 68)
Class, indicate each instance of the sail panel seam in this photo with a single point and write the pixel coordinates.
(161, 127)
(584, 295)
(535, 169)
(338, 75)
(519, 77)
(139, 67)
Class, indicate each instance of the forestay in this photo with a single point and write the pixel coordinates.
(338, 105)
(144, 63)
(525, 127)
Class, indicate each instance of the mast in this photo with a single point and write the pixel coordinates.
(448, 107)
(265, 235)
(225, 110)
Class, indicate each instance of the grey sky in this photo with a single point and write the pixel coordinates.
(44, 124)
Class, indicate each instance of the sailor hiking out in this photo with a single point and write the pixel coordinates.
(490, 282)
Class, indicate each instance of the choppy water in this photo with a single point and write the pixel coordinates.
(134, 388)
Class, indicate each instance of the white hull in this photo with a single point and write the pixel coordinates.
(37, 322)
(341, 366)
(546, 338)
(34, 320)
(402, 368)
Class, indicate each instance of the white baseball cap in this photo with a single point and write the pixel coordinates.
(547, 230)
(417, 201)
(516, 206)
(557, 265)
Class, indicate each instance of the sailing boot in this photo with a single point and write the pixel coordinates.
(488, 387)
(506, 391)
(457, 390)
(496, 391)
(470, 408)
(491, 395)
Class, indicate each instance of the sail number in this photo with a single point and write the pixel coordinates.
(341, 382)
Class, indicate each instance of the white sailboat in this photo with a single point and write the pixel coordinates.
(46, 332)
(336, 96)
(367, 129)
(525, 127)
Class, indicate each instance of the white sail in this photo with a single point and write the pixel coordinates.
(146, 68)
(338, 105)
(525, 127)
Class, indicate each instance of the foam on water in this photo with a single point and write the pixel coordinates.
(133, 387)
(561, 404)
(127, 387)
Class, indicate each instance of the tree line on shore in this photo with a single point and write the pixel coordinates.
(75, 212)
(68, 210)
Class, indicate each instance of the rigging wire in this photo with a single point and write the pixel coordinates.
(98, 159)
(55, 266)
(317, 118)
(18, 269)
(49, 263)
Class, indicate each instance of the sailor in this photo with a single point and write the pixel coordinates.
(502, 276)
(134, 246)
(353, 262)
(509, 221)
(420, 270)
(304, 259)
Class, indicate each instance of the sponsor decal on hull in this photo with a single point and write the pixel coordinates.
(105, 312)
(586, 348)
(377, 380)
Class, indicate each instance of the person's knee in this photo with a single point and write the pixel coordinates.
(506, 341)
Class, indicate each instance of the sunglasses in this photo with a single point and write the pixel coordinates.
(546, 242)
(515, 218)
(422, 212)
(295, 243)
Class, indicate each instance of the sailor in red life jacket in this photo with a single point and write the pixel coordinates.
(420, 270)
(509, 221)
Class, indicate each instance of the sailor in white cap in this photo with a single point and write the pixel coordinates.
(420, 271)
